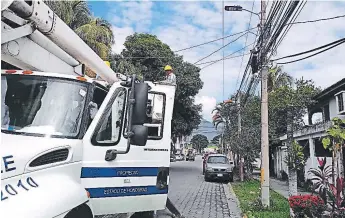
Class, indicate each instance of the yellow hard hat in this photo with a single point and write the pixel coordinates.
(107, 63)
(167, 67)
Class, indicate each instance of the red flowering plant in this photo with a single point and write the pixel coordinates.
(307, 205)
(332, 194)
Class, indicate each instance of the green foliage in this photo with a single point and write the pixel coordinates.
(95, 32)
(295, 159)
(215, 139)
(332, 194)
(296, 98)
(146, 55)
(336, 135)
(199, 142)
(278, 78)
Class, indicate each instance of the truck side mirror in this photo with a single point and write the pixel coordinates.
(140, 134)
(141, 91)
(137, 132)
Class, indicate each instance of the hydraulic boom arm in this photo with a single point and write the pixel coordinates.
(49, 24)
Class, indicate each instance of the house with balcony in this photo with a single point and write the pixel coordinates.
(330, 104)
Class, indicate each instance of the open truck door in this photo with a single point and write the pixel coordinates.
(137, 181)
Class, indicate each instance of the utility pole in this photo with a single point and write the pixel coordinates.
(265, 183)
(239, 134)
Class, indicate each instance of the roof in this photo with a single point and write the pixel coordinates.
(331, 90)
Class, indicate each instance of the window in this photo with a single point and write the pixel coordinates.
(340, 102)
(217, 160)
(41, 106)
(98, 97)
(109, 130)
(154, 115)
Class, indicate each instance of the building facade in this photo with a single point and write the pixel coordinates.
(330, 104)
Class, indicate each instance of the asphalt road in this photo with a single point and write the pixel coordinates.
(196, 198)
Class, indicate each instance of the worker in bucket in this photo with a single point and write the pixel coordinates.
(170, 76)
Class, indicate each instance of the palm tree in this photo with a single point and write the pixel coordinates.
(98, 35)
(278, 78)
(74, 13)
(95, 32)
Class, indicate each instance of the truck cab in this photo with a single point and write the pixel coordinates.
(74, 146)
(57, 136)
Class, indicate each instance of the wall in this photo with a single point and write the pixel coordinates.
(333, 110)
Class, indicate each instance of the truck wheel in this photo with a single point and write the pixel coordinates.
(145, 214)
(82, 211)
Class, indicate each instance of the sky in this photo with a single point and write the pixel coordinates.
(182, 24)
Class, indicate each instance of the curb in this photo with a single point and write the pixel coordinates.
(231, 199)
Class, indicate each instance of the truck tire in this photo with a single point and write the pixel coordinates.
(82, 211)
(145, 214)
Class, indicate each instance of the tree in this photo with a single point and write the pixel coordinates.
(98, 35)
(146, 55)
(199, 142)
(292, 102)
(215, 139)
(278, 78)
(247, 143)
(74, 13)
(95, 32)
(334, 141)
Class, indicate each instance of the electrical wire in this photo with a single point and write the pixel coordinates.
(221, 48)
(317, 20)
(250, 20)
(223, 45)
(230, 55)
(215, 40)
(311, 50)
(275, 47)
(314, 54)
(222, 59)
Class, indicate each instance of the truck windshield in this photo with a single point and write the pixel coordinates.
(41, 105)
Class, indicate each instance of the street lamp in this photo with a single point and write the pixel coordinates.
(239, 8)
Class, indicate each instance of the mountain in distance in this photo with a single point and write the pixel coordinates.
(206, 128)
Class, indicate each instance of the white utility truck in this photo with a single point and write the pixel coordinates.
(73, 146)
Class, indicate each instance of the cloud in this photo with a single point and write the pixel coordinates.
(184, 24)
(208, 104)
(120, 37)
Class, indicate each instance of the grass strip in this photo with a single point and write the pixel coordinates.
(249, 193)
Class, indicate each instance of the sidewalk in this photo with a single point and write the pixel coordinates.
(282, 187)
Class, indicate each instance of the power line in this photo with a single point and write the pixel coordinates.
(250, 20)
(275, 47)
(221, 47)
(311, 50)
(222, 59)
(230, 55)
(314, 54)
(317, 20)
(223, 44)
(208, 42)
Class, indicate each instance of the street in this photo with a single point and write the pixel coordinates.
(194, 197)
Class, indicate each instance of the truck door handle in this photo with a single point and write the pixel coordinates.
(110, 155)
